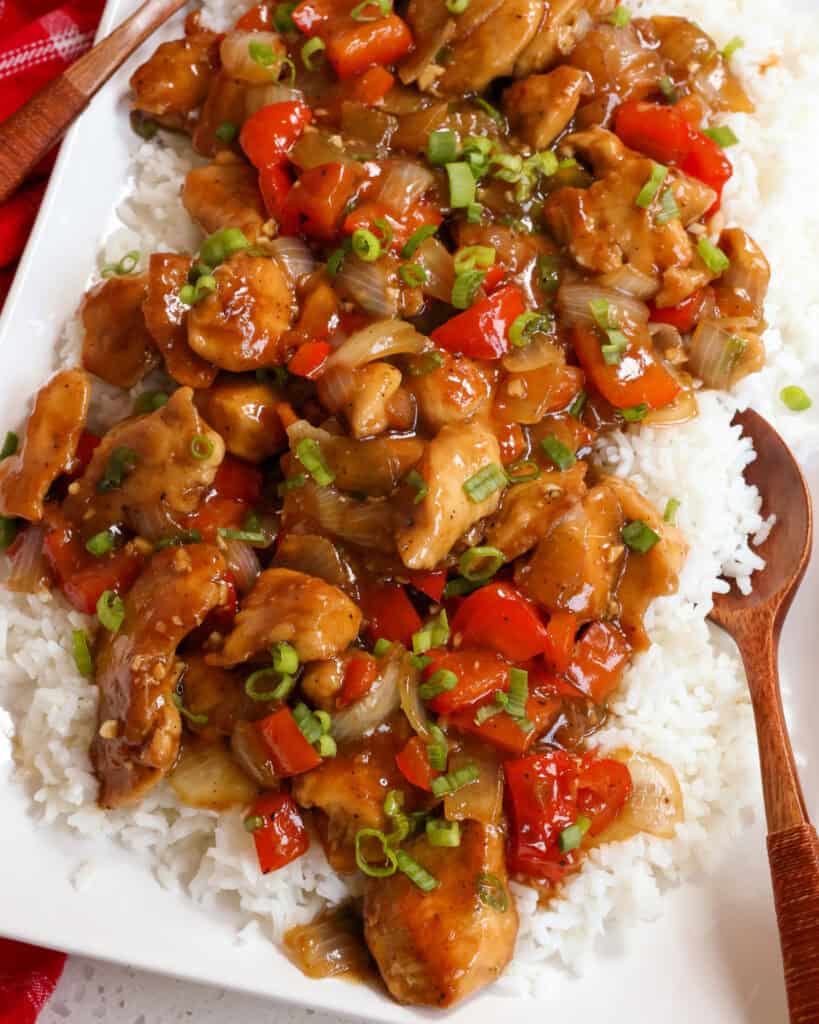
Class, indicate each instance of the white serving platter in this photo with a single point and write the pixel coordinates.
(712, 958)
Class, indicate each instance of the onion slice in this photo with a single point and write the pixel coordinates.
(294, 255)
(631, 281)
(375, 707)
(411, 703)
(573, 303)
(380, 340)
(722, 352)
(656, 802)
(28, 571)
(243, 563)
(368, 286)
(329, 945)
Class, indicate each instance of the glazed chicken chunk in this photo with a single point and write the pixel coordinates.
(225, 194)
(540, 107)
(243, 412)
(117, 346)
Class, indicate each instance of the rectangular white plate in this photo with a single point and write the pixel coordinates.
(712, 958)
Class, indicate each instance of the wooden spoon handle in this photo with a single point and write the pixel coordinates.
(794, 859)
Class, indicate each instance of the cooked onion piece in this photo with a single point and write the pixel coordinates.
(207, 776)
(656, 802)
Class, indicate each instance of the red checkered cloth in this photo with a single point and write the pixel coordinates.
(38, 40)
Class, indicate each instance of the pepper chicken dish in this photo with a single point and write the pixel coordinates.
(353, 566)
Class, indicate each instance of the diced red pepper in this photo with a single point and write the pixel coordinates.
(310, 15)
(289, 751)
(373, 86)
(282, 837)
(318, 198)
(603, 786)
(707, 162)
(482, 331)
(413, 763)
(639, 378)
(561, 632)
(658, 131)
(480, 674)
(358, 47)
(503, 732)
(236, 487)
(599, 659)
(275, 184)
(498, 617)
(391, 614)
(682, 316)
(430, 583)
(86, 446)
(84, 577)
(257, 19)
(366, 214)
(511, 440)
(269, 135)
(494, 275)
(359, 676)
(309, 360)
(238, 480)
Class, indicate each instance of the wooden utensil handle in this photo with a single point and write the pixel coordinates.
(794, 859)
(31, 131)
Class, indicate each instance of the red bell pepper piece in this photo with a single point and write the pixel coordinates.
(413, 763)
(309, 360)
(289, 751)
(282, 837)
(682, 316)
(498, 617)
(358, 47)
(599, 659)
(310, 15)
(391, 614)
(561, 631)
(275, 184)
(707, 162)
(494, 275)
(480, 674)
(603, 786)
(359, 676)
(373, 86)
(84, 577)
(503, 732)
(257, 19)
(430, 583)
(639, 378)
(269, 135)
(238, 480)
(318, 198)
(482, 331)
(86, 446)
(658, 131)
(236, 487)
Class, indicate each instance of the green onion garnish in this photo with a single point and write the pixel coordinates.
(185, 537)
(732, 46)
(312, 724)
(419, 485)
(560, 455)
(465, 288)
(385, 230)
(548, 268)
(439, 682)
(639, 537)
(121, 463)
(668, 208)
(285, 658)
(522, 470)
(227, 132)
(310, 50)
(150, 401)
(492, 892)
(429, 362)
(472, 257)
(480, 563)
(221, 245)
(381, 647)
(358, 12)
(570, 838)
(608, 323)
(645, 197)
(256, 537)
(415, 872)
(457, 6)
(261, 53)
(420, 661)
(82, 652)
(192, 294)
(434, 634)
(526, 325)
(486, 481)
(459, 587)
(365, 245)
(461, 185)
(487, 108)
(795, 398)
(723, 135)
(453, 781)
(310, 455)
(506, 167)
(635, 412)
(191, 717)
(442, 147)
(326, 746)
(413, 274)
(443, 833)
(438, 750)
(620, 16)
(127, 265)
(712, 256)
(284, 685)
(670, 514)
(201, 447)
(335, 259)
(578, 404)
(253, 823)
(474, 212)
(668, 89)
(10, 445)
(101, 543)
(292, 483)
(375, 870)
(283, 17)
(417, 238)
(110, 611)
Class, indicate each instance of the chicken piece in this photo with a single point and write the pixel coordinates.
(322, 682)
(317, 619)
(139, 726)
(216, 695)
(433, 28)
(646, 576)
(147, 471)
(456, 391)
(436, 523)
(225, 104)
(166, 317)
(175, 80)
(563, 22)
(238, 327)
(694, 198)
(351, 787)
(577, 565)
(117, 346)
(225, 194)
(743, 286)
(540, 107)
(529, 510)
(48, 449)
(243, 412)
(368, 411)
(436, 948)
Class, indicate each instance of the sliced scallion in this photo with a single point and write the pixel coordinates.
(366, 245)
(418, 484)
(227, 132)
(438, 750)
(570, 838)
(201, 447)
(257, 680)
(150, 401)
(560, 455)
(416, 872)
(795, 398)
(522, 470)
(443, 833)
(413, 274)
(670, 513)
(381, 647)
(525, 326)
(193, 718)
(723, 135)
(474, 257)
(732, 46)
(442, 146)
(486, 481)
(638, 536)
(82, 652)
(461, 185)
(358, 13)
(480, 563)
(310, 455)
(668, 208)
(310, 51)
(127, 265)
(434, 634)
(712, 256)
(110, 611)
(492, 892)
(101, 543)
(635, 412)
(283, 17)
(221, 245)
(383, 870)
(646, 195)
(121, 463)
(487, 108)
(417, 238)
(453, 781)
(620, 16)
(465, 288)
(439, 682)
(578, 405)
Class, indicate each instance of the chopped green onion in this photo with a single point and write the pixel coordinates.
(192, 294)
(613, 352)
(310, 455)
(101, 543)
(668, 208)
(145, 127)
(486, 481)
(310, 50)
(481, 563)
(336, 258)
(121, 463)
(326, 746)
(635, 413)
(308, 722)
(283, 17)
(227, 132)
(418, 237)
(292, 483)
(365, 245)
(578, 404)
(670, 514)
(416, 872)
(443, 833)
(439, 682)
(201, 447)
(261, 53)
(646, 195)
(461, 185)
(375, 870)
(795, 398)
(465, 288)
(518, 692)
(601, 311)
(509, 167)
(492, 892)
(110, 611)
(82, 652)
(221, 245)
(10, 444)
(413, 274)
(434, 634)
(127, 265)
(486, 712)
(474, 212)
(442, 146)
(420, 661)
(522, 470)
(285, 658)
(548, 268)
(283, 686)
(457, 6)
(527, 324)
(620, 16)
(639, 537)
(487, 108)
(150, 401)
(472, 257)
(385, 231)
(570, 838)
(191, 717)
(393, 803)
(723, 135)
(419, 485)
(459, 587)
(732, 46)
(381, 647)
(357, 13)
(607, 322)
(668, 89)
(185, 537)
(426, 363)
(248, 536)
(438, 750)
(712, 256)
(456, 780)
(253, 823)
(560, 455)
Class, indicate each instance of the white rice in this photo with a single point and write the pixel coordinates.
(684, 701)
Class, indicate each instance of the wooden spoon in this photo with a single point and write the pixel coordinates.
(755, 622)
(28, 135)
